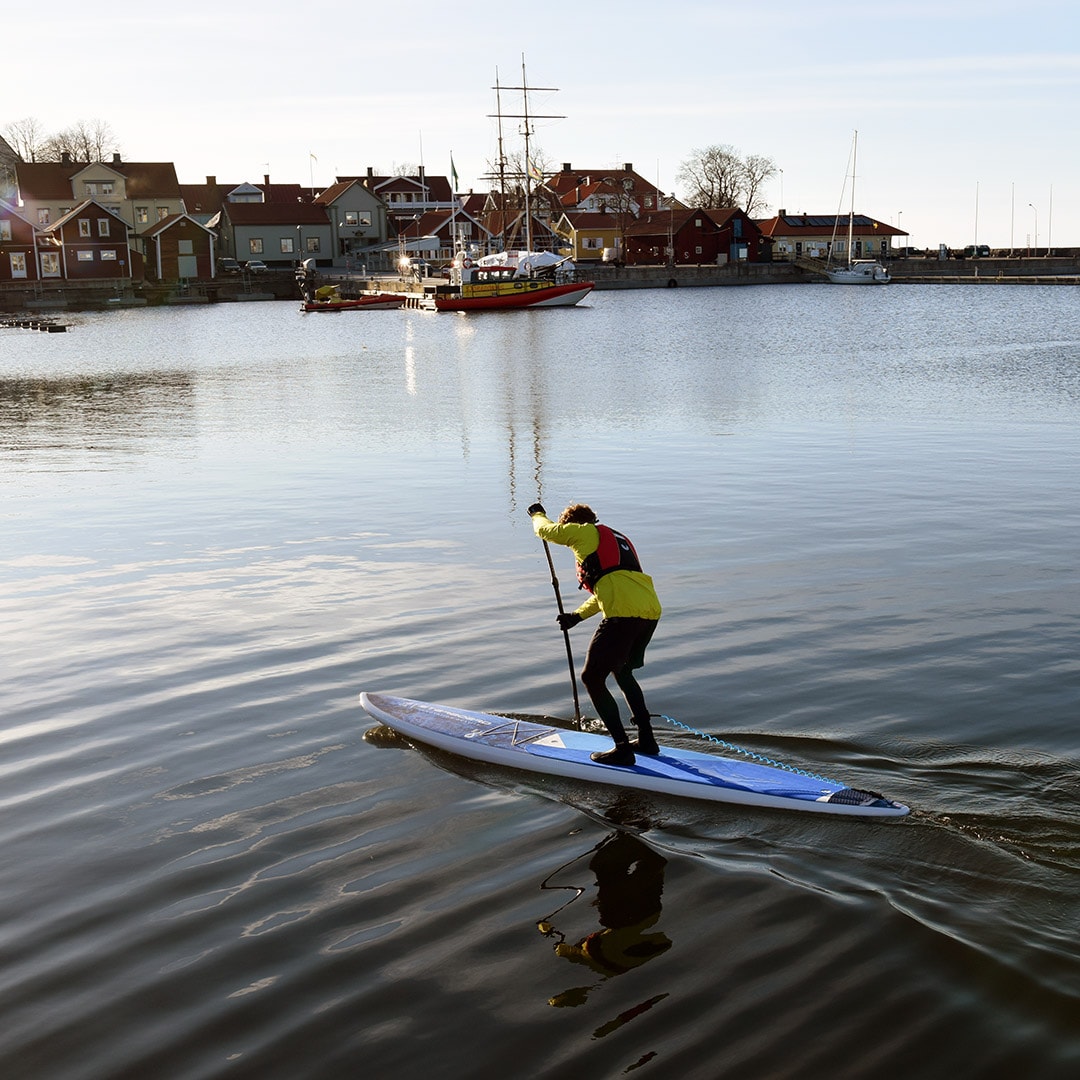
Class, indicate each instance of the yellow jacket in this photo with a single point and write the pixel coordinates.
(622, 594)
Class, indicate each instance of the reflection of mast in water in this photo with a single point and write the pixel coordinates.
(629, 886)
(533, 391)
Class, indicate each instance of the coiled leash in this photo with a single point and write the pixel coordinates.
(752, 754)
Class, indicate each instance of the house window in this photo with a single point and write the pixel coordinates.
(162, 213)
(255, 245)
(142, 215)
(50, 264)
(352, 217)
(286, 245)
(5, 229)
(84, 256)
(592, 243)
(697, 250)
(84, 227)
(697, 223)
(18, 264)
(43, 217)
(648, 202)
(91, 189)
(184, 247)
(103, 227)
(312, 245)
(108, 256)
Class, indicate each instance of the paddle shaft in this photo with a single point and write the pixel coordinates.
(566, 634)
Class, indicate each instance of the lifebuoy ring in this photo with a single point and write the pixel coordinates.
(467, 264)
(672, 283)
(526, 267)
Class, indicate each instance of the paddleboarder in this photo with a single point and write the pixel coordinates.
(609, 570)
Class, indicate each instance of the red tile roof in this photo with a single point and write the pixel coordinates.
(48, 181)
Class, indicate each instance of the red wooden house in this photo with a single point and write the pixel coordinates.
(20, 243)
(178, 248)
(94, 244)
(692, 237)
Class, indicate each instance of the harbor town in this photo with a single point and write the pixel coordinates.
(111, 232)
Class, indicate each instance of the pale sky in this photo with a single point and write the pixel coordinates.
(966, 109)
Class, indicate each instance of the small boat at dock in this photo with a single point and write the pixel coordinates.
(510, 281)
(329, 298)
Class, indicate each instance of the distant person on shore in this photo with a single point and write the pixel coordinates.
(609, 570)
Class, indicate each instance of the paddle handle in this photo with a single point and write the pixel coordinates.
(566, 634)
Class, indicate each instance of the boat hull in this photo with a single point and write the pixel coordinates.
(513, 295)
(859, 274)
(373, 302)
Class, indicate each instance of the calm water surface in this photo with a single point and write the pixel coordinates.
(218, 526)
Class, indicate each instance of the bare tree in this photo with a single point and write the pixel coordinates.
(93, 141)
(26, 137)
(717, 177)
(757, 170)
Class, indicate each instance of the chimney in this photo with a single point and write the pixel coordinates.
(566, 166)
(266, 179)
(211, 181)
(370, 173)
(65, 158)
(628, 166)
(781, 213)
(116, 158)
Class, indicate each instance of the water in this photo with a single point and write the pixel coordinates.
(219, 525)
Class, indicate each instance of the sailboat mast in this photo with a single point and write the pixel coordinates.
(851, 214)
(528, 118)
(502, 160)
(528, 165)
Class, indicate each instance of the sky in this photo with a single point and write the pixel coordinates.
(966, 110)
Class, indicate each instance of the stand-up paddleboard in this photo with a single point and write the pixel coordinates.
(559, 752)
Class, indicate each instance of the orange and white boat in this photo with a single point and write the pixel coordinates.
(510, 281)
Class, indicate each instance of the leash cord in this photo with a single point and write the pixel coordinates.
(753, 755)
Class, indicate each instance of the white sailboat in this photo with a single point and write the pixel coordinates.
(857, 271)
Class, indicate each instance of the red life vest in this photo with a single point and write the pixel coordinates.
(614, 553)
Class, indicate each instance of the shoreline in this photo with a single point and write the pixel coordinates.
(281, 285)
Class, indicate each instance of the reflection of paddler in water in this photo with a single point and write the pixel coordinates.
(630, 882)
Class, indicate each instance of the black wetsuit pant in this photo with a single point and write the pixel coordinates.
(618, 648)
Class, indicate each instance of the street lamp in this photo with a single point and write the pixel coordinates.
(1036, 209)
(899, 213)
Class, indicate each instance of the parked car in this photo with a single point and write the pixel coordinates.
(228, 266)
(256, 266)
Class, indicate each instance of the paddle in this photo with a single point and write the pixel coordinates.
(566, 635)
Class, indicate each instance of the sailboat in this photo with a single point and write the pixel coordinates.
(857, 271)
(512, 279)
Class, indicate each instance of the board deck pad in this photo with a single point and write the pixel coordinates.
(562, 752)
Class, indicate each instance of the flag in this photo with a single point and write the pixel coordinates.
(453, 174)
(535, 173)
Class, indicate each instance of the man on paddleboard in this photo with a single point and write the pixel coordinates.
(609, 570)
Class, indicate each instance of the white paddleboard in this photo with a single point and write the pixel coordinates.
(560, 752)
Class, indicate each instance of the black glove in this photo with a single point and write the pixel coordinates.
(568, 619)
(536, 508)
